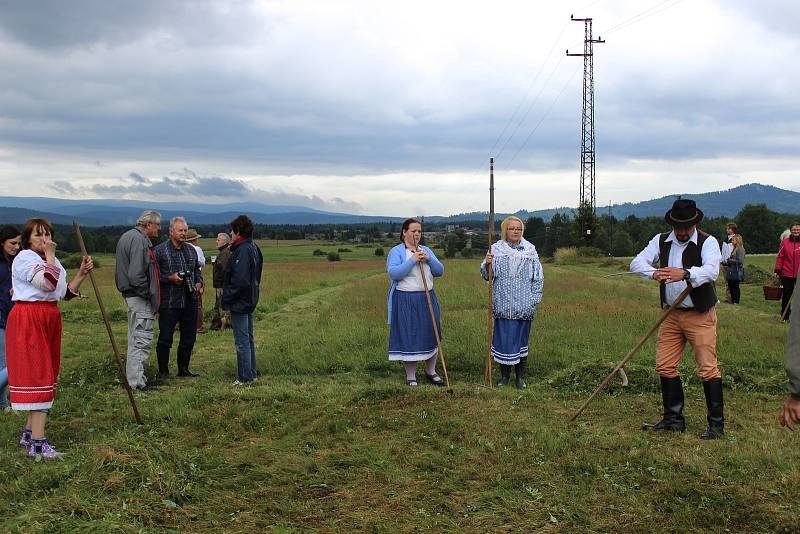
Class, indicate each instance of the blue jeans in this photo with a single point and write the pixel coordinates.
(3, 370)
(245, 346)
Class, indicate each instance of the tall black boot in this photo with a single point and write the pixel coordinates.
(672, 398)
(716, 420)
(163, 362)
(520, 367)
(505, 375)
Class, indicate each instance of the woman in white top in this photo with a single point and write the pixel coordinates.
(33, 330)
(411, 335)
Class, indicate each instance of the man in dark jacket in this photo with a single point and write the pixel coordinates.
(686, 256)
(221, 318)
(241, 284)
(136, 278)
(181, 278)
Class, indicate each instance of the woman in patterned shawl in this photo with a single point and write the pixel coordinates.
(517, 290)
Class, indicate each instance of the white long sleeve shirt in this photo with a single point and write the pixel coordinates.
(648, 260)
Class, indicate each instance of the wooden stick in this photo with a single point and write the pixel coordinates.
(487, 370)
(633, 351)
(433, 322)
(117, 359)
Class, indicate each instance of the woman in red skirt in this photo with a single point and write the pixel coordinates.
(33, 330)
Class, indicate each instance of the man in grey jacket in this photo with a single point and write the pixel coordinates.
(790, 413)
(136, 278)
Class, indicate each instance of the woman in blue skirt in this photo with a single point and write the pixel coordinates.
(517, 290)
(411, 335)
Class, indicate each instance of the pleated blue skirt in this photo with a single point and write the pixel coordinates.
(411, 335)
(510, 340)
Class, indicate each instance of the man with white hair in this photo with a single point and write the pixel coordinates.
(136, 277)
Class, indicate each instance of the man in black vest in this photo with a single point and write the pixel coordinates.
(684, 256)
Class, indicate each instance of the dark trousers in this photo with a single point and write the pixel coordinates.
(167, 319)
(733, 289)
(788, 289)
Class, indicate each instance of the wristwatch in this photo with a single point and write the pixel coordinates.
(687, 275)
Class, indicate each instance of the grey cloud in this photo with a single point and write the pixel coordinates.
(63, 187)
(192, 187)
(50, 24)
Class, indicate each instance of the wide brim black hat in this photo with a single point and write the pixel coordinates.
(684, 213)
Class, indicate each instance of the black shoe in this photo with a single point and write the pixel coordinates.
(672, 398)
(147, 388)
(520, 368)
(186, 373)
(505, 375)
(163, 374)
(716, 408)
(435, 379)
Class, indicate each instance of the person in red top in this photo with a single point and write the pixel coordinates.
(787, 265)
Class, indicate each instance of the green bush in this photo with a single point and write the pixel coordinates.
(590, 252)
(345, 250)
(334, 256)
(319, 252)
(467, 253)
(73, 261)
(379, 251)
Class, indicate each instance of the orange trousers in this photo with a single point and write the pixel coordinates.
(700, 330)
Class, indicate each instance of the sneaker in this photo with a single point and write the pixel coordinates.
(25, 439)
(238, 383)
(48, 451)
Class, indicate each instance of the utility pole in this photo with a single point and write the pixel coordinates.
(610, 230)
(586, 219)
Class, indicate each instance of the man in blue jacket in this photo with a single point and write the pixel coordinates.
(240, 288)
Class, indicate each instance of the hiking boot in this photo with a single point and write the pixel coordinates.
(43, 450)
(25, 439)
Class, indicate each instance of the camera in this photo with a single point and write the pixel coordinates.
(188, 279)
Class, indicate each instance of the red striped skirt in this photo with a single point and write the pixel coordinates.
(33, 353)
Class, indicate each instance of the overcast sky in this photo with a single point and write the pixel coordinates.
(394, 107)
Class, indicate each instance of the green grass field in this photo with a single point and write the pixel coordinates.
(331, 440)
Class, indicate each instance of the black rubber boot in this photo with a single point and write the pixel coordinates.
(520, 367)
(716, 420)
(672, 398)
(163, 362)
(505, 375)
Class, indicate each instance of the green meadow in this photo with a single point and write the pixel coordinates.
(331, 440)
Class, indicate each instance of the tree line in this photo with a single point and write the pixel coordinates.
(759, 226)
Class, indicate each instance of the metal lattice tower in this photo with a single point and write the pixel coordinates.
(587, 123)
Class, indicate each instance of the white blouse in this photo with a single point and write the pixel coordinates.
(413, 281)
(35, 280)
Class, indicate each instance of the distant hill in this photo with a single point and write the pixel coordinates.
(108, 212)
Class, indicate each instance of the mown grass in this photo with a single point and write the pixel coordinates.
(331, 440)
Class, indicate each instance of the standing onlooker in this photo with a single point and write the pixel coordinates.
(221, 318)
(790, 413)
(39, 281)
(192, 238)
(9, 246)
(241, 285)
(136, 277)
(734, 272)
(181, 278)
(686, 257)
(411, 334)
(518, 283)
(727, 248)
(787, 265)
